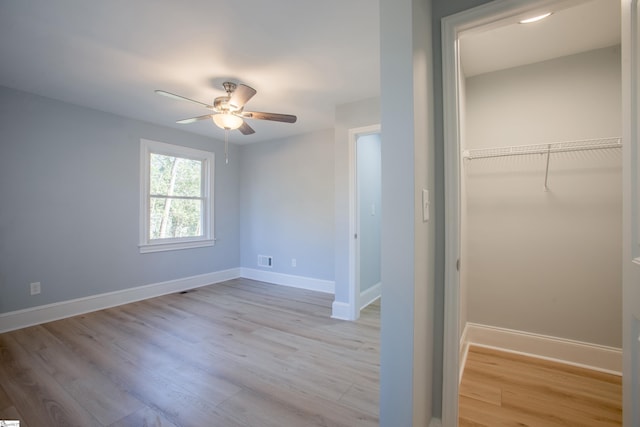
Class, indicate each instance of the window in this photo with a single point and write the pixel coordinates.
(176, 207)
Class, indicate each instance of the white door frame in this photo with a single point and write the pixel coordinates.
(631, 212)
(481, 18)
(354, 252)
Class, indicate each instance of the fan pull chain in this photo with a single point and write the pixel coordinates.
(226, 146)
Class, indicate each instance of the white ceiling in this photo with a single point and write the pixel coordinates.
(584, 26)
(303, 57)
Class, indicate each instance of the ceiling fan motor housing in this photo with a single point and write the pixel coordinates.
(229, 87)
(221, 105)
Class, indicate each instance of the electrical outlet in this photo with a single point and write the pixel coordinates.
(293, 262)
(35, 288)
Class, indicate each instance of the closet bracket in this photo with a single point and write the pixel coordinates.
(546, 172)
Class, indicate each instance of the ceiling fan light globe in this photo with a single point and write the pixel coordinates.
(227, 121)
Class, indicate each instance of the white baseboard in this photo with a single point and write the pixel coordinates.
(345, 311)
(46, 313)
(370, 295)
(319, 285)
(435, 422)
(592, 356)
(341, 311)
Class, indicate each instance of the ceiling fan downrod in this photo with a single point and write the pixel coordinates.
(229, 87)
(226, 146)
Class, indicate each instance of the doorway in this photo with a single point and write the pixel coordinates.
(365, 219)
(474, 21)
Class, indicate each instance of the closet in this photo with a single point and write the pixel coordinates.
(541, 208)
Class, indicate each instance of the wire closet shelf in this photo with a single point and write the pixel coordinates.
(548, 149)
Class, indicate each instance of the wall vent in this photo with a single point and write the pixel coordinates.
(265, 261)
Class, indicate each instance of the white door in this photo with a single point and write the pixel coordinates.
(631, 211)
(369, 198)
(355, 220)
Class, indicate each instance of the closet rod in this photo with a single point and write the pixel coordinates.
(555, 147)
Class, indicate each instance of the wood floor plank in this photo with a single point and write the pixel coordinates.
(535, 392)
(320, 299)
(358, 362)
(35, 394)
(145, 417)
(481, 414)
(5, 402)
(363, 395)
(480, 390)
(239, 353)
(181, 402)
(103, 399)
(316, 410)
(549, 406)
(543, 376)
(251, 408)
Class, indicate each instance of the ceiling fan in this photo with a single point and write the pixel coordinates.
(228, 111)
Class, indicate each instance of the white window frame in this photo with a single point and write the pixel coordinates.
(146, 244)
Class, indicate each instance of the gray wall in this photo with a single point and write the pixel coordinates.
(546, 262)
(575, 97)
(69, 210)
(369, 204)
(287, 204)
(408, 244)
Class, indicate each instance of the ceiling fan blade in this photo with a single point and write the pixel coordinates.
(246, 129)
(182, 98)
(240, 96)
(194, 119)
(276, 117)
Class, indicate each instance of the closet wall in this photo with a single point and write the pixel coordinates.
(535, 261)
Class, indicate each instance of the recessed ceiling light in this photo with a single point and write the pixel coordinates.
(535, 18)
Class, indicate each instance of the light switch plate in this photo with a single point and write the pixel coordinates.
(425, 205)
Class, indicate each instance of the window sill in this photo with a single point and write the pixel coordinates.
(174, 246)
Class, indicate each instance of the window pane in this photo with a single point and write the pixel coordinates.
(175, 176)
(171, 218)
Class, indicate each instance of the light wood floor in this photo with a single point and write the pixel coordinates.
(504, 389)
(240, 353)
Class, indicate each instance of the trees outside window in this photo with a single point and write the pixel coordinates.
(177, 197)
